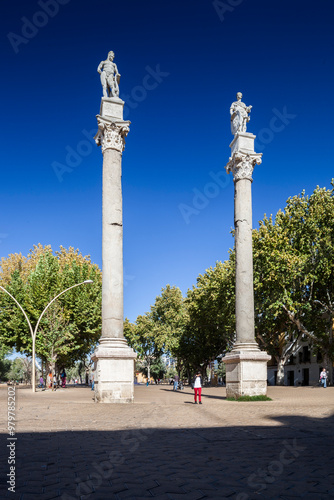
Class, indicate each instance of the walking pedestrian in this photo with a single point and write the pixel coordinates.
(176, 382)
(323, 378)
(198, 388)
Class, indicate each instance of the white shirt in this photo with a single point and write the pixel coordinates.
(197, 383)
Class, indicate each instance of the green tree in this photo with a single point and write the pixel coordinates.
(169, 316)
(20, 370)
(76, 371)
(55, 340)
(293, 276)
(34, 281)
(276, 281)
(211, 325)
(156, 369)
(5, 365)
(158, 331)
(141, 337)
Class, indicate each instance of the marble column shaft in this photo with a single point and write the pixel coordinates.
(244, 302)
(112, 246)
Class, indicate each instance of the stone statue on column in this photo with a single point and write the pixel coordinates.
(246, 365)
(110, 76)
(239, 115)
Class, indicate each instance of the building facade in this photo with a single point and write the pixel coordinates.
(302, 368)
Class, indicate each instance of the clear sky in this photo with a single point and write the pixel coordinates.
(181, 62)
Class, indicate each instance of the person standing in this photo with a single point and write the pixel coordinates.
(176, 383)
(63, 378)
(323, 378)
(198, 388)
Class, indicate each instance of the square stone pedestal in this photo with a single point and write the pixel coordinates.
(246, 373)
(112, 107)
(114, 373)
(243, 141)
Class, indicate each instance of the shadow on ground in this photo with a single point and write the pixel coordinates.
(291, 460)
(190, 391)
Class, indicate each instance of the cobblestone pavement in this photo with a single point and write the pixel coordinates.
(165, 447)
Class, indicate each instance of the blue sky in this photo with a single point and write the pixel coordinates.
(177, 200)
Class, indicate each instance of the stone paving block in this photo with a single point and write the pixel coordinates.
(225, 490)
(165, 488)
(68, 493)
(321, 488)
(102, 491)
(50, 495)
(33, 490)
(67, 473)
(30, 496)
(117, 488)
(315, 496)
(193, 495)
(164, 496)
(51, 482)
(221, 496)
(34, 479)
(134, 493)
(298, 488)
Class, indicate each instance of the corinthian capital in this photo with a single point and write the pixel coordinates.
(242, 165)
(111, 135)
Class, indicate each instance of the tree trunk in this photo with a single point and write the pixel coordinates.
(330, 360)
(53, 366)
(189, 376)
(280, 370)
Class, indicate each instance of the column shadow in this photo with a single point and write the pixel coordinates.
(291, 457)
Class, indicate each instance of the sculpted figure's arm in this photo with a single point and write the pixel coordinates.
(100, 67)
(116, 71)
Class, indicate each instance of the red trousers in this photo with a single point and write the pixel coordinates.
(198, 391)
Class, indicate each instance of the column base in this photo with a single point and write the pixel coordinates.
(246, 372)
(114, 372)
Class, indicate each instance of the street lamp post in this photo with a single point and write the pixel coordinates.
(34, 332)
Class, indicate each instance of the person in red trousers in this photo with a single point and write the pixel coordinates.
(198, 388)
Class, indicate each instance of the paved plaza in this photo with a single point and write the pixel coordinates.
(165, 447)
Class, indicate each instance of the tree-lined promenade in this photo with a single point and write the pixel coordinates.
(293, 286)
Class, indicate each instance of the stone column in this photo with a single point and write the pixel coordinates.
(114, 359)
(246, 365)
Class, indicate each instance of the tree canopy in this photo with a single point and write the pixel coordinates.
(293, 290)
(293, 275)
(72, 325)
